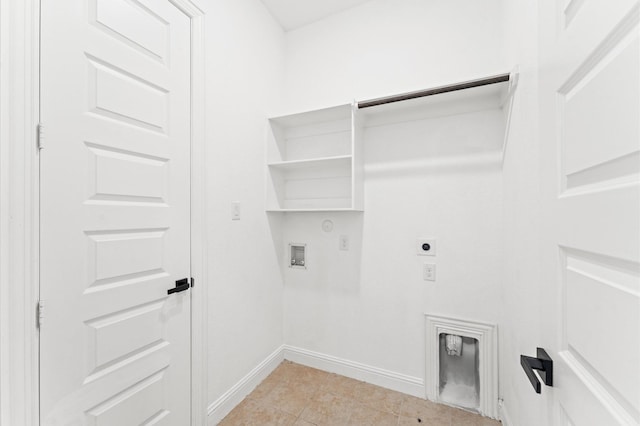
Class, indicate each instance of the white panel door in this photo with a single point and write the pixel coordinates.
(590, 137)
(115, 206)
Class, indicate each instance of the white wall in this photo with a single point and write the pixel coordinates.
(521, 309)
(423, 179)
(387, 47)
(245, 71)
(367, 304)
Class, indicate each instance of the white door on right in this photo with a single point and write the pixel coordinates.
(590, 153)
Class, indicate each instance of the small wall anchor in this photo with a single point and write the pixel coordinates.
(543, 363)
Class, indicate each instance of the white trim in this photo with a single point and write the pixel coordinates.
(355, 370)
(19, 176)
(486, 334)
(199, 297)
(504, 414)
(231, 398)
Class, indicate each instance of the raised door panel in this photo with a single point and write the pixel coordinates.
(140, 404)
(121, 95)
(133, 24)
(127, 176)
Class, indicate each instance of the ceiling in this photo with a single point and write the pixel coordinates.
(292, 14)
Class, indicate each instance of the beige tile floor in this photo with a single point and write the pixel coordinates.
(301, 396)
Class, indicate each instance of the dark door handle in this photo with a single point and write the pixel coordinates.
(543, 363)
(181, 285)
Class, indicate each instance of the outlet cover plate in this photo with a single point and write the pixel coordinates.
(344, 242)
(429, 272)
(235, 210)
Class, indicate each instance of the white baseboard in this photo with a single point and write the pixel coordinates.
(355, 370)
(227, 402)
(504, 415)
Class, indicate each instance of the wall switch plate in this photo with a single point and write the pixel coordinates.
(426, 246)
(235, 210)
(344, 242)
(429, 272)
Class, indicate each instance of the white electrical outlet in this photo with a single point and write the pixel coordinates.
(429, 272)
(426, 246)
(344, 242)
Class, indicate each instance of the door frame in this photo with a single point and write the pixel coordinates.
(19, 212)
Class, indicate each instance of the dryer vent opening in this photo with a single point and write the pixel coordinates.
(462, 364)
(459, 371)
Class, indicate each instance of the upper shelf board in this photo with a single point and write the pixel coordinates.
(341, 112)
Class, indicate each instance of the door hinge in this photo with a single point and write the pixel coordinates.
(39, 314)
(40, 136)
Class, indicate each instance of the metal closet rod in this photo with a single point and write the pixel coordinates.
(435, 91)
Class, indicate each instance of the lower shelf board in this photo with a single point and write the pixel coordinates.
(316, 210)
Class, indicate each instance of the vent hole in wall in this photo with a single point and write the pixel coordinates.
(459, 371)
(465, 375)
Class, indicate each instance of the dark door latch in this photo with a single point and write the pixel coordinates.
(181, 285)
(543, 363)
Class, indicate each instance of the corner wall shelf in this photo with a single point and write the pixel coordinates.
(315, 158)
(314, 161)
